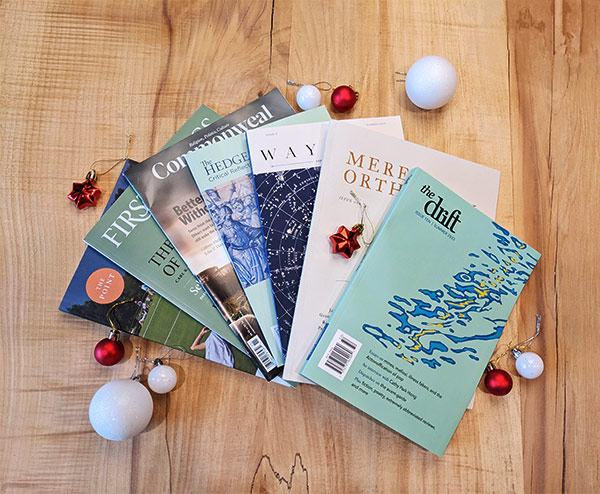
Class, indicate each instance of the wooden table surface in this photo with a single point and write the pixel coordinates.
(77, 76)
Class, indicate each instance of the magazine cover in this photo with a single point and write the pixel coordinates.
(363, 168)
(148, 315)
(76, 295)
(165, 185)
(223, 174)
(417, 324)
(128, 235)
(98, 284)
(286, 161)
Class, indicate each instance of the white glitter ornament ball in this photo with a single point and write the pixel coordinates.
(162, 379)
(431, 82)
(530, 365)
(308, 97)
(121, 409)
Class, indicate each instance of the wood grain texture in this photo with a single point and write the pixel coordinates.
(555, 103)
(77, 76)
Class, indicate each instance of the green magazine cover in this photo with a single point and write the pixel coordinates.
(128, 235)
(202, 118)
(98, 284)
(417, 324)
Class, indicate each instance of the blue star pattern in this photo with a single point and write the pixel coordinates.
(286, 201)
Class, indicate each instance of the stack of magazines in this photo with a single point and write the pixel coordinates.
(303, 249)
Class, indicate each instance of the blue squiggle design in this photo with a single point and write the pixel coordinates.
(435, 295)
(433, 346)
(379, 335)
(433, 363)
(429, 323)
(464, 349)
(449, 360)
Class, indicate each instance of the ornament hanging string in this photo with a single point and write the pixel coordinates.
(93, 174)
(345, 241)
(138, 359)
(494, 362)
(519, 346)
(156, 361)
(134, 375)
(321, 85)
(110, 311)
(85, 194)
(109, 351)
(361, 225)
(401, 73)
(527, 343)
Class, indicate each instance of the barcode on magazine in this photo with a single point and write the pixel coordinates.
(261, 352)
(340, 354)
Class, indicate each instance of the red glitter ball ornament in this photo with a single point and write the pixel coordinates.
(109, 351)
(343, 98)
(498, 382)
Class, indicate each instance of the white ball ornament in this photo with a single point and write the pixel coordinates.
(162, 379)
(431, 82)
(308, 97)
(121, 409)
(529, 364)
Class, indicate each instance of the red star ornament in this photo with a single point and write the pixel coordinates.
(345, 242)
(84, 194)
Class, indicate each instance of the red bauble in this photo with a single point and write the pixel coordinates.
(343, 98)
(498, 382)
(109, 351)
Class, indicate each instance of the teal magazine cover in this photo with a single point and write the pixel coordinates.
(416, 326)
